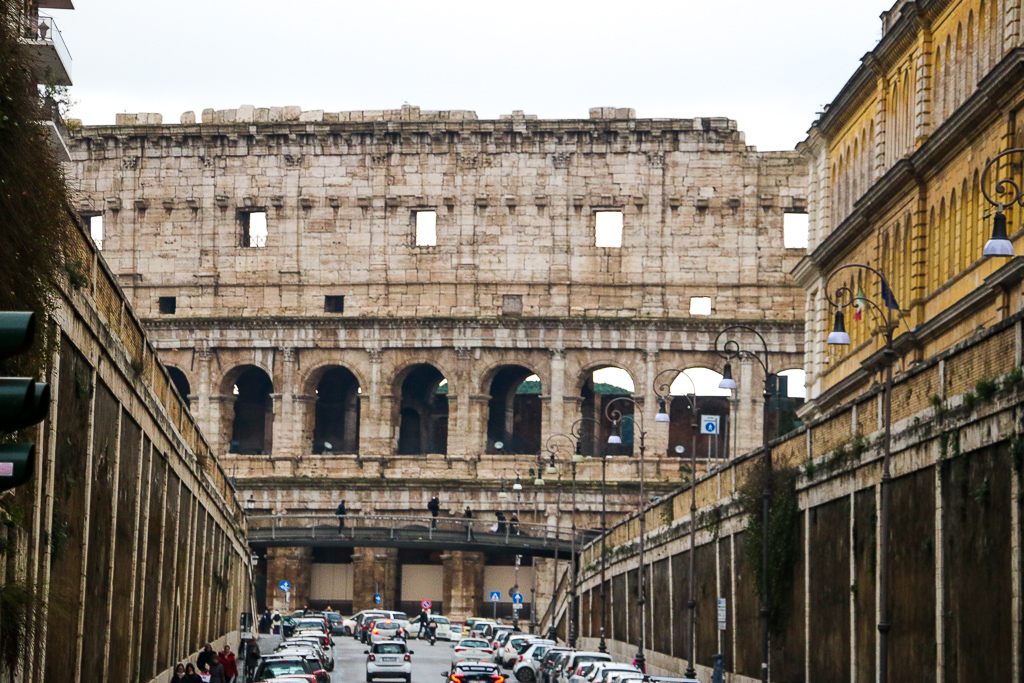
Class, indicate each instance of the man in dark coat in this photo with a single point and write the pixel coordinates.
(435, 507)
(265, 621)
(205, 658)
(341, 512)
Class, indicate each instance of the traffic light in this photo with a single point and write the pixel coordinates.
(23, 401)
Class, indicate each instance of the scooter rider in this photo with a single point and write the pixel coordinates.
(432, 630)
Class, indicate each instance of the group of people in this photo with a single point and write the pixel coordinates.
(503, 524)
(210, 667)
(271, 623)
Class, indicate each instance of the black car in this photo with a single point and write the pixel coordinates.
(475, 672)
(334, 619)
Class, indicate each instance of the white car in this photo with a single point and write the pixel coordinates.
(388, 659)
(572, 663)
(472, 649)
(444, 627)
(595, 671)
(385, 629)
(525, 666)
(479, 627)
(508, 654)
(348, 626)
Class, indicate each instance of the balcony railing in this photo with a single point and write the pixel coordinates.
(51, 57)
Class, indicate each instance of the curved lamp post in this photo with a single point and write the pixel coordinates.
(554, 449)
(728, 350)
(999, 244)
(843, 298)
(663, 389)
(614, 414)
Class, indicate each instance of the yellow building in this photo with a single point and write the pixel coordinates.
(897, 164)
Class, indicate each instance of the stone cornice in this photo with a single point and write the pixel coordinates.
(1002, 84)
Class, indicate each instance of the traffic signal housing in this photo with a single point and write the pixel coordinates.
(23, 401)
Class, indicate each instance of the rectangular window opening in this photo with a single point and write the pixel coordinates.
(168, 305)
(426, 228)
(254, 228)
(608, 229)
(794, 230)
(700, 305)
(512, 304)
(95, 229)
(334, 304)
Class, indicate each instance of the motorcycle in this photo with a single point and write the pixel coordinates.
(432, 634)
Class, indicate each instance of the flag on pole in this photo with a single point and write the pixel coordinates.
(888, 298)
(858, 303)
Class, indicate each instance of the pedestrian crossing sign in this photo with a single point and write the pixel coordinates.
(495, 596)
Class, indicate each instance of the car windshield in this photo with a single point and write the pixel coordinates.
(274, 669)
(399, 615)
(386, 626)
(539, 651)
(334, 617)
(473, 643)
(441, 620)
(389, 648)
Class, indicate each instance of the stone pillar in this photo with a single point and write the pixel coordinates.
(294, 565)
(374, 569)
(463, 584)
(222, 417)
(657, 433)
(304, 406)
(463, 437)
(556, 390)
(478, 415)
(203, 407)
(375, 412)
(287, 422)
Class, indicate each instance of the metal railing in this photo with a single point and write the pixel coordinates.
(287, 527)
(44, 28)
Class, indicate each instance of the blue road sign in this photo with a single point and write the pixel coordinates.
(495, 596)
(376, 598)
(517, 598)
(425, 604)
(285, 586)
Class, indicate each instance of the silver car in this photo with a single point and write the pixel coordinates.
(525, 668)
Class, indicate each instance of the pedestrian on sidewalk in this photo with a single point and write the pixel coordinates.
(265, 621)
(217, 673)
(276, 620)
(179, 674)
(341, 512)
(435, 507)
(205, 658)
(190, 674)
(502, 524)
(230, 664)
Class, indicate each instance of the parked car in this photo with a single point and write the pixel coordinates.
(389, 659)
(272, 667)
(572, 662)
(310, 653)
(552, 660)
(348, 626)
(385, 629)
(312, 640)
(525, 667)
(336, 623)
(479, 626)
(508, 654)
(360, 619)
(474, 672)
(472, 648)
(595, 671)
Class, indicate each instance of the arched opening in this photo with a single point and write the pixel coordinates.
(790, 395)
(514, 411)
(181, 384)
(711, 400)
(336, 418)
(253, 425)
(601, 386)
(423, 412)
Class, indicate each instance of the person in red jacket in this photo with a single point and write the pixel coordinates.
(227, 660)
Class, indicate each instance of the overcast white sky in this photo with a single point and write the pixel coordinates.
(768, 65)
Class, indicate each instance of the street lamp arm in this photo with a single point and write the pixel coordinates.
(1004, 186)
(844, 297)
(663, 388)
(614, 413)
(576, 430)
(731, 348)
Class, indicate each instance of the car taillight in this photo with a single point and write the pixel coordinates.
(407, 658)
(488, 651)
(520, 658)
(498, 679)
(373, 658)
(376, 632)
(457, 678)
(460, 649)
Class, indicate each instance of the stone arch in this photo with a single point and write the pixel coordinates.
(792, 392)
(684, 429)
(333, 420)
(514, 416)
(180, 381)
(421, 410)
(252, 423)
(595, 396)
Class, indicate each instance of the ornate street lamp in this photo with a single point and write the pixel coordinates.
(999, 244)
(890, 319)
(614, 414)
(664, 390)
(728, 350)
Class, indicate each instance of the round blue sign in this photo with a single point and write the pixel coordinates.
(517, 598)
(376, 598)
(285, 586)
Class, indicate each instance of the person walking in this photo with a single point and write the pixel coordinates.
(265, 621)
(422, 619)
(276, 620)
(435, 507)
(502, 524)
(513, 523)
(179, 674)
(230, 664)
(341, 512)
(217, 673)
(468, 514)
(205, 658)
(252, 659)
(190, 674)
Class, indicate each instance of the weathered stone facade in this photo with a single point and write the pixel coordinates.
(513, 286)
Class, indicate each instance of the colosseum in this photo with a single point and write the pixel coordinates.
(384, 306)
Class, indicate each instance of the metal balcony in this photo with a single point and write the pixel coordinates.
(51, 61)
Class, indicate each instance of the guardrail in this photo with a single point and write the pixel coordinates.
(388, 529)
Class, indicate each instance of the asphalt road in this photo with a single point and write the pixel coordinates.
(428, 662)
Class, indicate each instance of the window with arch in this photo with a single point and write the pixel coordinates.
(684, 427)
(336, 412)
(181, 384)
(514, 413)
(252, 426)
(601, 386)
(423, 411)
